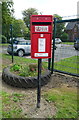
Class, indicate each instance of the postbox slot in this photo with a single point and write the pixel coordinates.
(43, 18)
(41, 23)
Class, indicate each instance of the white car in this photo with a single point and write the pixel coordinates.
(57, 41)
(20, 48)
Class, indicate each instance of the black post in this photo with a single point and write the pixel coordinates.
(39, 82)
(11, 31)
(54, 34)
(49, 63)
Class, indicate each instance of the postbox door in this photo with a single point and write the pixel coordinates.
(41, 45)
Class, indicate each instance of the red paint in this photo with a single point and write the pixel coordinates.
(41, 36)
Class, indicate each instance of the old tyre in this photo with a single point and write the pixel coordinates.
(23, 82)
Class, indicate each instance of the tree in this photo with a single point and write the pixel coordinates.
(7, 17)
(64, 37)
(59, 26)
(3, 39)
(26, 15)
(19, 28)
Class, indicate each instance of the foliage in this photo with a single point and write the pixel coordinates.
(27, 35)
(24, 63)
(3, 39)
(59, 26)
(26, 15)
(19, 28)
(64, 37)
(26, 70)
(16, 67)
(7, 17)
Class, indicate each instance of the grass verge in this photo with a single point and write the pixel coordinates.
(6, 44)
(68, 43)
(11, 105)
(68, 65)
(65, 100)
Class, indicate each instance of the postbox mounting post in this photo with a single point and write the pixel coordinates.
(39, 82)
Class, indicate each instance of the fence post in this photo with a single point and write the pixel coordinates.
(11, 32)
(49, 63)
(53, 50)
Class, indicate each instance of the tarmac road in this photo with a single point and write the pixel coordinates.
(65, 51)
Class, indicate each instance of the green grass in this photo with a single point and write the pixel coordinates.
(0, 104)
(10, 105)
(68, 65)
(68, 43)
(65, 100)
(23, 64)
(4, 44)
(18, 59)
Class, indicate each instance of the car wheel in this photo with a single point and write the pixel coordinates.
(76, 48)
(20, 53)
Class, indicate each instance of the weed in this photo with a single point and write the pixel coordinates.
(16, 67)
(17, 97)
(9, 107)
(26, 70)
(65, 101)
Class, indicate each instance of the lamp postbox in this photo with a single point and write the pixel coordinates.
(41, 36)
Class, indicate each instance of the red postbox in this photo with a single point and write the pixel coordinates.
(41, 36)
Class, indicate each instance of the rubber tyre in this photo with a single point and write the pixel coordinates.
(23, 82)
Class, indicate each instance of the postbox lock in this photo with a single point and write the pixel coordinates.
(41, 35)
